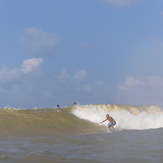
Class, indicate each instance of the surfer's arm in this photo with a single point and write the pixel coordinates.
(103, 121)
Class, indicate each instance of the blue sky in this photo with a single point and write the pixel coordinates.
(86, 51)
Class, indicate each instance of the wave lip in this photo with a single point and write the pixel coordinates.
(127, 116)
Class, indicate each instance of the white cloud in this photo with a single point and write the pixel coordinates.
(37, 40)
(131, 82)
(148, 90)
(149, 82)
(7, 75)
(122, 3)
(30, 65)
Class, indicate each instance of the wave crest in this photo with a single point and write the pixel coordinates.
(127, 117)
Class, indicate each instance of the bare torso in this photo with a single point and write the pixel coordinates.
(110, 119)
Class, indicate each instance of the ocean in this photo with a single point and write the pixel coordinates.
(73, 134)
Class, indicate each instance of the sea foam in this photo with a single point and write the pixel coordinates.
(127, 117)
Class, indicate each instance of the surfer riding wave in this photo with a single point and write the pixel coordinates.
(112, 122)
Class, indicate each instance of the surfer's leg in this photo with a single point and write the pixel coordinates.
(113, 129)
(110, 126)
(113, 124)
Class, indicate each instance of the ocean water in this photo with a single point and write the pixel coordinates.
(73, 134)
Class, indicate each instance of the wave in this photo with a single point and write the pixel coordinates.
(77, 119)
(42, 121)
(126, 116)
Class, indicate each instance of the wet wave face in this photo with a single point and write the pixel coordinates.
(42, 122)
(78, 119)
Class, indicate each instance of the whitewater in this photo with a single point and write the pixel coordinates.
(127, 117)
(73, 134)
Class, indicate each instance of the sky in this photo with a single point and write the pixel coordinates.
(57, 52)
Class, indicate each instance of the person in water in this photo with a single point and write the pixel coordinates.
(112, 122)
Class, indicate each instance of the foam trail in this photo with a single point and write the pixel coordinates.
(127, 117)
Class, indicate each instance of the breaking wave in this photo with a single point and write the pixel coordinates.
(127, 117)
(77, 119)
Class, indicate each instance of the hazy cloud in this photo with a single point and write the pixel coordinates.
(38, 41)
(130, 83)
(148, 82)
(79, 75)
(155, 82)
(64, 75)
(85, 88)
(148, 90)
(75, 81)
(122, 3)
(7, 75)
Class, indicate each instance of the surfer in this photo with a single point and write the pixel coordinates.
(58, 106)
(112, 122)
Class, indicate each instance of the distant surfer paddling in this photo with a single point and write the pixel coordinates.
(112, 122)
